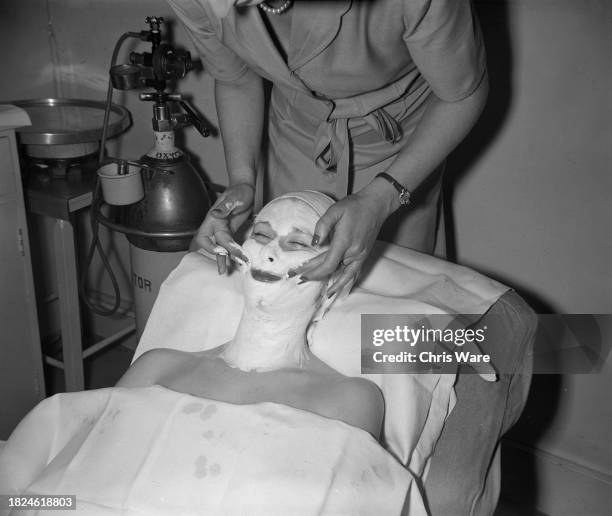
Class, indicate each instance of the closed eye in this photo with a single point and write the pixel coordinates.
(262, 238)
(296, 245)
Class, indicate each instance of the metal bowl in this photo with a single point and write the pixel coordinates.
(69, 121)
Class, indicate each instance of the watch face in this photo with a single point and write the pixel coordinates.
(404, 197)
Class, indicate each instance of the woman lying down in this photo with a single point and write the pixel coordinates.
(258, 425)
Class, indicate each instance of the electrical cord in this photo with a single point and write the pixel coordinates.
(96, 203)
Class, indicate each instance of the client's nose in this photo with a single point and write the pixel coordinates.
(270, 253)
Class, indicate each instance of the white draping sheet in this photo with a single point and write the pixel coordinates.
(197, 309)
(153, 451)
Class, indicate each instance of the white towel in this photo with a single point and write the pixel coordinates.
(155, 452)
(197, 309)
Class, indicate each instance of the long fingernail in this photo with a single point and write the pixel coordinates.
(221, 266)
(315, 239)
(218, 212)
(239, 260)
(303, 279)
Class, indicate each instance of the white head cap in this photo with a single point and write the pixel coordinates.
(318, 201)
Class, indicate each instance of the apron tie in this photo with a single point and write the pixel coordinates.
(385, 125)
(332, 150)
(336, 119)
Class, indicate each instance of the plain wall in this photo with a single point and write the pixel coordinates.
(530, 189)
(533, 207)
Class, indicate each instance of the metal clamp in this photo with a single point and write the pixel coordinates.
(121, 228)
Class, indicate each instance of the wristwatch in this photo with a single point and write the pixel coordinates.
(404, 193)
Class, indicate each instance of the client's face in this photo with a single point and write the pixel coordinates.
(279, 241)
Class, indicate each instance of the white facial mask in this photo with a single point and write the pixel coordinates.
(279, 242)
(278, 309)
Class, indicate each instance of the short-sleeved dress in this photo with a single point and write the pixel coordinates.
(350, 89)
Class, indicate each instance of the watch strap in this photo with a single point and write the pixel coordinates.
(404, 193)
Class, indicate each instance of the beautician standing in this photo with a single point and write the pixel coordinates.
(360, 88)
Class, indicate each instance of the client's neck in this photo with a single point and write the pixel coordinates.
(267, 340)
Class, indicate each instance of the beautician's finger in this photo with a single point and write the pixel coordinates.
(238, 255)
(205, 237)
(330, 264)
(206, 243)
(349, 259)
(340, 245)
(314, 264)
(225, 239)
(348, 276)
(325, 224)
(234, 201)
(221, 263)
(221, 208)
(308, 265)
(349, 286)
(221, 255)
(227, 209)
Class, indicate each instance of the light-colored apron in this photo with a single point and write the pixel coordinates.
(337, 146)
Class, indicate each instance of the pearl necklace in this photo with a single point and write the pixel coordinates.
(264, 6)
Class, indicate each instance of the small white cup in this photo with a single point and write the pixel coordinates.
(120, 189)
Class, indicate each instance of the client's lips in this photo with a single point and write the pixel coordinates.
(266, 277)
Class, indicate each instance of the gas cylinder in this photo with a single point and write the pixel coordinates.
(160, 226)
(175, 201)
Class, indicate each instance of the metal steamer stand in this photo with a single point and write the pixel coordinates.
(159, 201)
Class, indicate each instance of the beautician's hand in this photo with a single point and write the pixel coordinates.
(353, 223)
(228, 213)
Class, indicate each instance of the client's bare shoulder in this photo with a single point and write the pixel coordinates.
(357, 402)
(150, 367)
